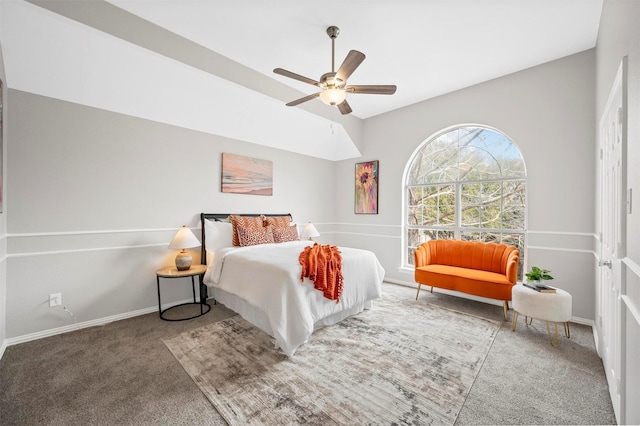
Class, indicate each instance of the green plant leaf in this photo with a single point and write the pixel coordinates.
(538, 274)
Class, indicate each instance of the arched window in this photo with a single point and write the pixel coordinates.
(468, 183)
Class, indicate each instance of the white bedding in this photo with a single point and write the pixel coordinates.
(267, 277)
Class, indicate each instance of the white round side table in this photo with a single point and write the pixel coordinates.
(554, 307)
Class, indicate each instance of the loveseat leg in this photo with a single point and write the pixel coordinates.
(505, 306)
(418, 293)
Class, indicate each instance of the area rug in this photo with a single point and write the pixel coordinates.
(402, 362)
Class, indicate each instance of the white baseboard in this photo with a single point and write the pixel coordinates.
(131, 314)
(85, 324)
(411, 284)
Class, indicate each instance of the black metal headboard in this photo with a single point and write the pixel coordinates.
(223, 217)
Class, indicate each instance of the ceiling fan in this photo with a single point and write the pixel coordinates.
(334, 84)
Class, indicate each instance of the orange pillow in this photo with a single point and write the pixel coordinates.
(281, 235)
(248, 222)
(252, 237)
(277, 221)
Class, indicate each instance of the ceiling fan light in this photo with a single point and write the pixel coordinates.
(333, 96)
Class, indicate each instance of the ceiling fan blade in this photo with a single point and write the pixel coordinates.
(305, 99)
(351, 62)
(372, 89)
(344, 107)
(295, 76)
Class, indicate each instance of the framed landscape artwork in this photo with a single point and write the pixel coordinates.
(366, 198)
(246, 175)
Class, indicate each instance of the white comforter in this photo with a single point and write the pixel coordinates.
(267, 276)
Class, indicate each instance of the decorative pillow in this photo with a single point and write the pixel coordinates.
(252, 237)
(281, 235)
(249, 222)
(297, 227)
(277, 221)
(217, 235)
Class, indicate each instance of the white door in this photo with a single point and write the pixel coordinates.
(613, 134)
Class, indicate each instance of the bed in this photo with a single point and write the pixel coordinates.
(262, 283)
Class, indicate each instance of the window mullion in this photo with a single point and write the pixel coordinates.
(458, 218)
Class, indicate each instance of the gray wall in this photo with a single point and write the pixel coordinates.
(619, 36)
(97, 196)
(548, 111)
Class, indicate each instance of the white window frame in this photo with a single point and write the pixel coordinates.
(456, 228)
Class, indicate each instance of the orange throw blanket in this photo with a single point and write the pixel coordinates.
(323, 266)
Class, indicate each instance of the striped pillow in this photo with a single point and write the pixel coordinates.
(248, 222)
(277, 221)
(252, 236)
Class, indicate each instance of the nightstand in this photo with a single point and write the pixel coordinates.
(195, 270)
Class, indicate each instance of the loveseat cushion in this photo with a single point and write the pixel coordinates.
(470, 274)
(472, 281)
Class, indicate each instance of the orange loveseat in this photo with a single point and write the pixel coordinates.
(473, 267)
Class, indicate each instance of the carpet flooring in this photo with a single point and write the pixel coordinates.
(123, 374)
(398, 363)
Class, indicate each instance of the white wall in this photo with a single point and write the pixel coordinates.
(618, 37)
(96, 197)
(548, 111)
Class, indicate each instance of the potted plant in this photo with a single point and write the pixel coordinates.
(538, 275)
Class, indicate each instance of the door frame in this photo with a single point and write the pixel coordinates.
(610, 283)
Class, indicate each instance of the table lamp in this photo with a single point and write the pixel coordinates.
(183, 239)
(309, 232)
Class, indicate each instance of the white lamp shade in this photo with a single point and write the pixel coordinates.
(309, 231)
(184, 239)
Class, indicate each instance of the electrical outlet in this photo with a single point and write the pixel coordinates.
(55, 299)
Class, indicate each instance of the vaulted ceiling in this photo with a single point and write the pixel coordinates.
(208, 65)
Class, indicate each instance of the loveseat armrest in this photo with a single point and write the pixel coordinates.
(512, 266)
(422, 255)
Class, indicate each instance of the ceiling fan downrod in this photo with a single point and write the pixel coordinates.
(333, 32)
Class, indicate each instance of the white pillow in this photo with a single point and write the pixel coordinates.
(217, 235)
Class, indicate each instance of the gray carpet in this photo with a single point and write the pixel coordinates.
(398, 363)
(123, 374)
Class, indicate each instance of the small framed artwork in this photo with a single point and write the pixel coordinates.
(366, 185)
(246, 175)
